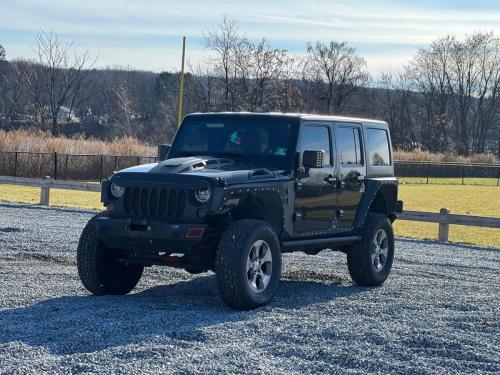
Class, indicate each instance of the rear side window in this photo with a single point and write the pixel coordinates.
(349, 145)
(378, 147)
(316, 138)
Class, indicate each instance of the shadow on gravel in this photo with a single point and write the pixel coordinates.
(183, 312)
(25, 206)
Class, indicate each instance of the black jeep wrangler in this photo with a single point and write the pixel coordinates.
(237, 190)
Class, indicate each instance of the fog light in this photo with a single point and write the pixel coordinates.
(195, 232)
(202, 212)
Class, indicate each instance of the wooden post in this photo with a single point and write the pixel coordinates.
(443, 225)
(45, 193)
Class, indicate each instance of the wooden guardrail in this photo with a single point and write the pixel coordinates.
(444, 218)
(45, 184)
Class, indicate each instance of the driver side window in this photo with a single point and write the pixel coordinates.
(317, 138)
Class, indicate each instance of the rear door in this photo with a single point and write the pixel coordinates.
(315, 198)
(351, 171)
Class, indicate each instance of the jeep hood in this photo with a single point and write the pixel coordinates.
(225, 170)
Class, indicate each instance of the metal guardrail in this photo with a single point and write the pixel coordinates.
(444, 218)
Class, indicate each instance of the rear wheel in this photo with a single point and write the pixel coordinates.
(248, 264)
(100, 268)
(370, 260)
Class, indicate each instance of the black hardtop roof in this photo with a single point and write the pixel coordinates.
(302, 116)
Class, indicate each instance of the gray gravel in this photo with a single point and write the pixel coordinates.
(437, 313)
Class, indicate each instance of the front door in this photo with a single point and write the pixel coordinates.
(351, 172)
(315, 197)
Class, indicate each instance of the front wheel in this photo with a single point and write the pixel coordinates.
(248, 264)
(101, 269)
(370, 260)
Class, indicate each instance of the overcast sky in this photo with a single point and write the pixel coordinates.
(147, 34)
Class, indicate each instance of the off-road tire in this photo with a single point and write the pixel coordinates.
(231, 262)
(98, 268)
(359, 256)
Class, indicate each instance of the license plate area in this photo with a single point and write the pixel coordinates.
(138, 225)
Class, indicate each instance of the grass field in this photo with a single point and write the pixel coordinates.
(460, 199)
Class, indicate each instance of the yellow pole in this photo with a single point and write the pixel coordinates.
(181, 83)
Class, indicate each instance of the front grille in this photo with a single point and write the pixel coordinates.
(153, 202)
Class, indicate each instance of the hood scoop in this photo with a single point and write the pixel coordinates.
(191, 164)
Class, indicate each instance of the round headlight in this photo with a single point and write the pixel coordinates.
(202, 195)
(116, 190)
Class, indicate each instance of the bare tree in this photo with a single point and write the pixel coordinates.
(268, 66)
(223, 42)
(459, 91)
(2, 53)
(124, 108)
(429, 74)
(204, 85)
(340, 67)
(56, 76)
(398, 109)
(30, 76)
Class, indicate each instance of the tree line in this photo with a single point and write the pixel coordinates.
(446, 98)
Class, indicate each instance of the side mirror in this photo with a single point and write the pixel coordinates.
(163, 152)
(312, 159)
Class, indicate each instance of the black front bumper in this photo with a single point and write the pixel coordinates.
(146, 235)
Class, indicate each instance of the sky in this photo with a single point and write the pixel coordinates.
(147, 34)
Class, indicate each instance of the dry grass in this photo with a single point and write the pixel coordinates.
(38, 141)
(419, 155)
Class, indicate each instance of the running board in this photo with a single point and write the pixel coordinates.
(318, 242)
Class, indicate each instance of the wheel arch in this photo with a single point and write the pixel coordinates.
(262, 205)
(380, 197)
(385, 200)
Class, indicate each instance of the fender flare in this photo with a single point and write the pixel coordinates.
(372, 188)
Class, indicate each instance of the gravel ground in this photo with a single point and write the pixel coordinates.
(437, 313)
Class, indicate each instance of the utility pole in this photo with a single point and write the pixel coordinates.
(181, 83)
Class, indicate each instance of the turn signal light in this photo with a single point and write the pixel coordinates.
(195, 232)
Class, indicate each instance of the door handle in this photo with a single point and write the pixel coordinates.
(331, 179)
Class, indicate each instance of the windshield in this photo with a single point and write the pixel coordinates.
(267, 140)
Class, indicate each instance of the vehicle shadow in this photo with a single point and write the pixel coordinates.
(36, 207)
(181, 312)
